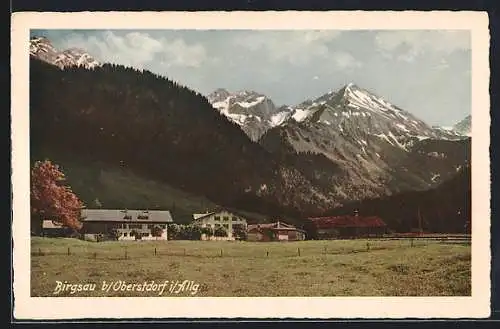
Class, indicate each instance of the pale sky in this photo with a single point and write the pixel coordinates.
(424, 72)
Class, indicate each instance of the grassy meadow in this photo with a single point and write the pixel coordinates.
(231, 269)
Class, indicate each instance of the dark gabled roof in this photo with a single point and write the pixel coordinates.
(119, 215)
(347, 221)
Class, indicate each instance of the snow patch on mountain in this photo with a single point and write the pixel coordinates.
(280, 117)
(300, 115)
(253, 103)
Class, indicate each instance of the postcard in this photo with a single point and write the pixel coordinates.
(326, 165)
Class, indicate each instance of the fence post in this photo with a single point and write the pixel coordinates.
(267, 253)
(324, 250)
(298, 251)
(368, 246)
(221, 252)
(411, 242)
(155, 251)
(39, 252)
(68, 251)
(95, 255)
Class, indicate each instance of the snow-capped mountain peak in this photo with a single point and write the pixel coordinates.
(252, 111)
(464, 127)
(351, 108)
(352, 105)
(42, 48)
(218, 95)
(41, 45)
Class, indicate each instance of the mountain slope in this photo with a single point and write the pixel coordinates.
(164, 132)
(42, 49)
(373, 145)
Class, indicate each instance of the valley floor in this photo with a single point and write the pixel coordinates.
(220, 268)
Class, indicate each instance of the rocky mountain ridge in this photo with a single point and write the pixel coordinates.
(42, 48)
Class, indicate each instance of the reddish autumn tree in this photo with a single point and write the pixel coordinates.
(51, 198)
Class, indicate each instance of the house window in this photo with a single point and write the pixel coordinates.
(125, 234)
(235, 219)
(136, 226)
(226, 218)
(217, 225)
(217, 218)
(226, 226)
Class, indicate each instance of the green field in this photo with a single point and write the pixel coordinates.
(222, 268)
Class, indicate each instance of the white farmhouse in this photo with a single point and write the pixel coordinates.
(229, 221)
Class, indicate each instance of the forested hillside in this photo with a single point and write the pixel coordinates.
(446, 208)
(159, 130)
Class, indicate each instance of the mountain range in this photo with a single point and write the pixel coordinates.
(256, 113)
(237, 149)
(42, 48)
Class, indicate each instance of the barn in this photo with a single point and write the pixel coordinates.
(348, 226)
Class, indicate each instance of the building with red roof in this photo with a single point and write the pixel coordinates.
(348, 226)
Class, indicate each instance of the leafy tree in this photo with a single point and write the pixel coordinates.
(193, 232)
(51, 198)
(114, 234)
(188, 232)
(239, 232)
(157, 231)
(220, 231)
(270, 234)
(173, 231)
(208, 231)
(136, 234)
